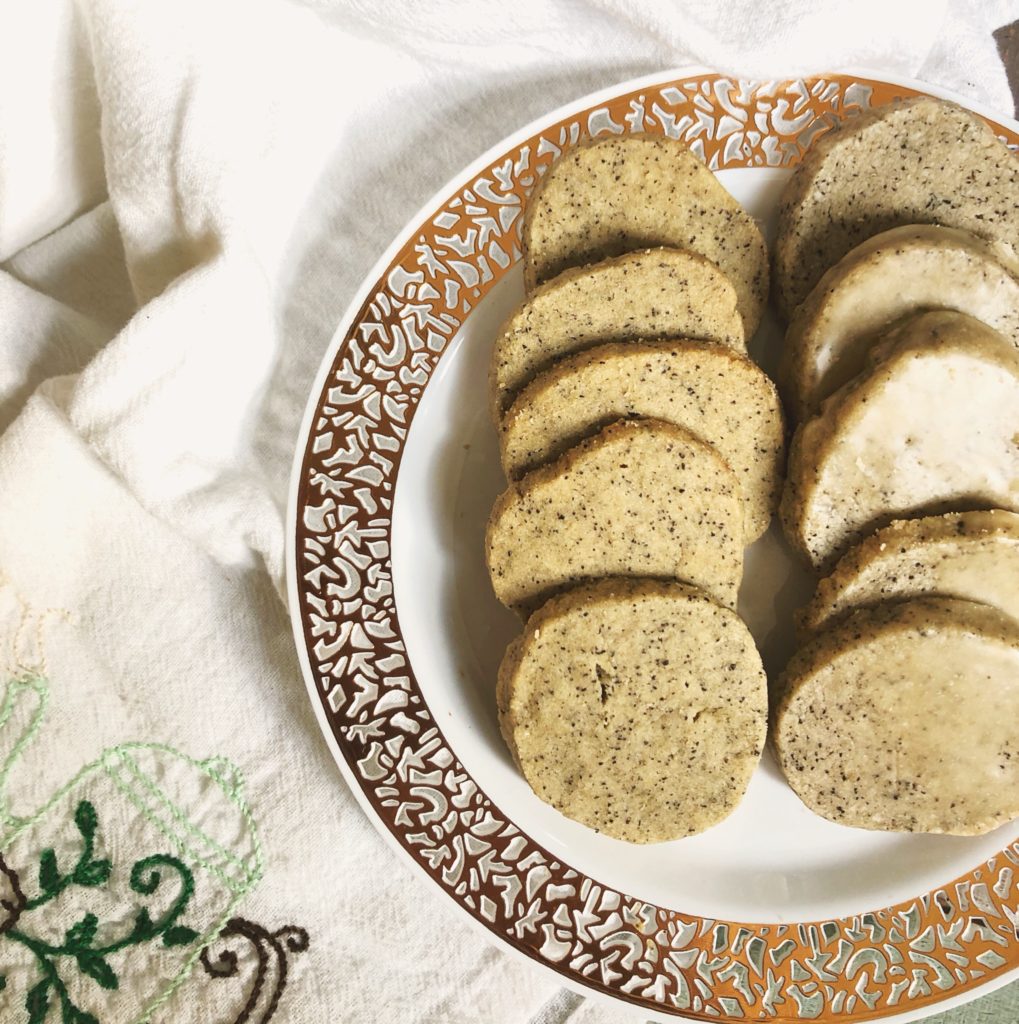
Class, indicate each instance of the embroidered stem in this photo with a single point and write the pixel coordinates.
(173, 935)
(87, 871)
(144, 929)
(238, 926)
(38, 998)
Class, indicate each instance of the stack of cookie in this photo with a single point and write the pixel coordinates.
(896, 267)
(644, 451)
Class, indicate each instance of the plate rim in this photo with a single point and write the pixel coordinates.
(368, 284)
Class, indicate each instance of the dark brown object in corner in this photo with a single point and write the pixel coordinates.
(1007, 38)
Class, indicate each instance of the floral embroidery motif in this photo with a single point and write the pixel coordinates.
(90, 932)
(79, 941)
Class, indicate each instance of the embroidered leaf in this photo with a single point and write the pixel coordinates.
(96, 872)
(179, 935)
(3, 982)
(82, 1017)
(49, 873)
(97, 968)
(38, 1002)
(86, 819)
(80, 935)
(143, 926)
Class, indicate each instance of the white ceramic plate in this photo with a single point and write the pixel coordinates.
(774, 913)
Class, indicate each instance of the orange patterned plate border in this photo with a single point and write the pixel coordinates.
(894, 962)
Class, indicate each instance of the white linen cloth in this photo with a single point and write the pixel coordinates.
(190, 193)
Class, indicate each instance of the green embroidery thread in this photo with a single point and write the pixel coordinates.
(182, 822)
(87, 872)
(132, 776)
(12, 697)
(79, 941)
(238, 877)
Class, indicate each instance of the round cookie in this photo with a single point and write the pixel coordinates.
(638, 708)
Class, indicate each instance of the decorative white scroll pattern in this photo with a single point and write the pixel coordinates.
(859, 967)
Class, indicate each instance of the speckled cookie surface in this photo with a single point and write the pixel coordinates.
(905, 717)
(656, 292)
(720, 396)
(922, 161)
(969, 555)
(890, 276)
(611, 195)
(635, 707)
(930, 428)
(641, 498)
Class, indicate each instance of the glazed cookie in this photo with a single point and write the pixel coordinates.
(931, 427)
(922, 161)
(887, 278)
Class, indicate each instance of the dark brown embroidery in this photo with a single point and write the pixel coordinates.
(271, 948)
(13, 900)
